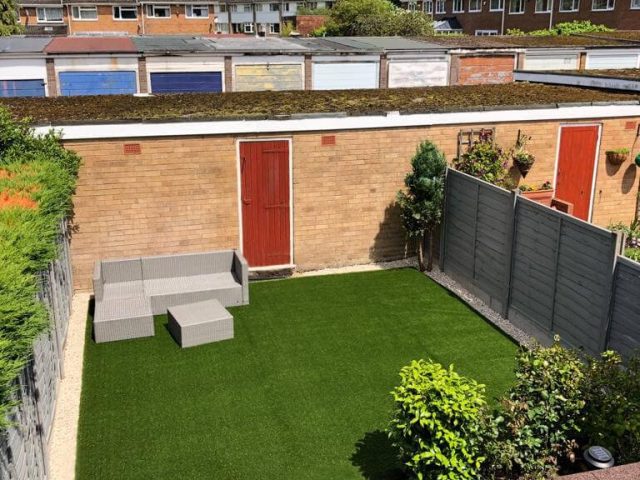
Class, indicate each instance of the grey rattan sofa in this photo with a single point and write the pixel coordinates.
(129, 292)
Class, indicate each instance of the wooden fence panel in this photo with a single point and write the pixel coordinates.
(624, 330)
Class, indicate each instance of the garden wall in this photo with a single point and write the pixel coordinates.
(546, 271)
(23, 447)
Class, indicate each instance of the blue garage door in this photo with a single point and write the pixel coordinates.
(21, 88)
(184, 82)
(97, 83)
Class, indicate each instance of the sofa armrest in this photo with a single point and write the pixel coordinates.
(98, 284)
(241, 270)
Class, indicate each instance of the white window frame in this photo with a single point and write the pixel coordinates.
(247, 27)
(120, 8)
(519, 12)
(635, 5)
(478, 6)
(440, 7)
(486, 33)
(45, 19)
(151, 10)
(428, 6)
(77, 10)
(220, 29)
(258, 7)
(458, 6)
(411, 6)
(272, 28)
(188, 11)
(575, 3)
(607, 9)
(547, 3)
(499, 9)
(274, 7)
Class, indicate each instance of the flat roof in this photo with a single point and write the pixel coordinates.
(277, 105)
(106, 44)
(623, 80)
(170, 43)
(22, 44)
(524, 41)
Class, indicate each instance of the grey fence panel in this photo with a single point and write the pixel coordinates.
(624, 330)
(477, 234)
(23, 446)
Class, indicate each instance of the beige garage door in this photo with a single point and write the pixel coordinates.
(255, 78)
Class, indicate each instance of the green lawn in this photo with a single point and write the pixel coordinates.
(301, 392)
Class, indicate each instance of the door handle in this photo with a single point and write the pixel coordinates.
(246, 201)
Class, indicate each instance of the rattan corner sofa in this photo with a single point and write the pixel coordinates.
(129, 292)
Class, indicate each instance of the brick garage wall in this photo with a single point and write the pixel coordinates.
(180, 193)
(484, 69)
(305, 24)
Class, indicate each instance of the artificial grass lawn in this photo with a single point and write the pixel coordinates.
(301, 392)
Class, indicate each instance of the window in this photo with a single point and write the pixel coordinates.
(274, 28)
(440, 6)
(428, 6)
(458, 6)
(258, 7)
(197, 11)
(635, 4)
(602, 5)
(247, 8)
(475, 5)
(496, 5)
(274, 7)
(569, 5)
(222, 28)
(49, 15)
(516, 6)
(125, 13)
(543, 6)
(411, 6)
(84, 13)
(486, 33)
(158, 11)
(247, 28)
(312, 5)
(222, 8)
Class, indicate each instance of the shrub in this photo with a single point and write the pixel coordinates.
(612, 412)
(438, 421)
(484, 160)
(541, 413)
(631, 232)
(563, 28)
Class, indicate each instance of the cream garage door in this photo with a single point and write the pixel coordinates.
(567, 61)
(418, 73)
(255, 78)
(612, 60)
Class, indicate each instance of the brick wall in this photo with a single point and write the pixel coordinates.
(305, 24)
(180, 194)
(485, 69)
(105, 23)
(178, 23)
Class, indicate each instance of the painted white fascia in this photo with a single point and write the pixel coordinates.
(335, 122)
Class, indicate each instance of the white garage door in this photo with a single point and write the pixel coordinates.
(418, 73)
(551, 62)
(345, 75)
(612, 60)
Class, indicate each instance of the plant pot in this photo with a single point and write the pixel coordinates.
(616, 158)
(541, 196)
(524, 166)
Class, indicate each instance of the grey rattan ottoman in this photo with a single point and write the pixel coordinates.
(199, 323)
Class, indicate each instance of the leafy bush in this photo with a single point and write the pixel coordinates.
(632, 254)
(631, 233)
(540, 415)
(438, 422)
(421, 204)
(319, 32)
(612, 413)
(42, 173)
(484, 160)
(564, 28)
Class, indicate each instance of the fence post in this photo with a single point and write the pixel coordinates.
(555, 273)
(618, 247)
(511, 242)
(443, 229)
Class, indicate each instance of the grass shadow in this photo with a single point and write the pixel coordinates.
(377, 458)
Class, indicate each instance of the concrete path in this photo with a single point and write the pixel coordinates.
(63, 443)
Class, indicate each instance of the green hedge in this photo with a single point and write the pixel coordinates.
(41, 172)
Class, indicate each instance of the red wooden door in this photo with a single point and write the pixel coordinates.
(576, 163)
(266, 230)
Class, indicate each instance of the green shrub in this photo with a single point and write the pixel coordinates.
(540, 415)
(41, 171)
(575, 27)
(484, 160)
(319, 32)
(612, 412)
(438, 422)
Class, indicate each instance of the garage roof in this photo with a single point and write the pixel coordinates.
(91, 45)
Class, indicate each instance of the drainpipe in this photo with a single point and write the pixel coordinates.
(142, 9)
(551, 16)
(504, 7)
(69, 19)
(255, 20)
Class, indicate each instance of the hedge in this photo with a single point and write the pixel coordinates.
(37, 180)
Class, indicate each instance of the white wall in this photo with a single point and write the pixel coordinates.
(418, 72)
(95, 63)
(23, 69)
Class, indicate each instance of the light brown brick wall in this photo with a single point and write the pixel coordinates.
(105, 23)
(180, 194)
(178, 23)
(485, 69)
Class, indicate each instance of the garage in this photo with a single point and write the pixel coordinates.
(268, 77)
(344, 75)
(551, 61)
(97, 83)
(186, 82)
(607, 60)
(418, 72)
(22, 88)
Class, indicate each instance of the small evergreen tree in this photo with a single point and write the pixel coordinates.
(9, 18)
(422, 203)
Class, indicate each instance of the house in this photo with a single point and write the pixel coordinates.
(309, 180)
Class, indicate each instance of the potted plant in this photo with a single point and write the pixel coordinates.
(522, 159)
(542, 194)
(617, 156)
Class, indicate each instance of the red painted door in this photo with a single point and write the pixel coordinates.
(266, 230)
(576, 163)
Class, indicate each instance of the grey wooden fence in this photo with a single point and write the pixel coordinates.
(23, 447)
(546, 271)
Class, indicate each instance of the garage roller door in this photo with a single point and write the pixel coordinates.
(184, 82)
(97, 83)
(345, 75)
(417, 73)
(612, 60)
(271, 77)
(21, 88)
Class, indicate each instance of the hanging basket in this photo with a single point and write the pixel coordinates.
(617, 158)
(524, 162)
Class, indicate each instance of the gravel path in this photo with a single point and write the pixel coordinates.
(63, 443)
